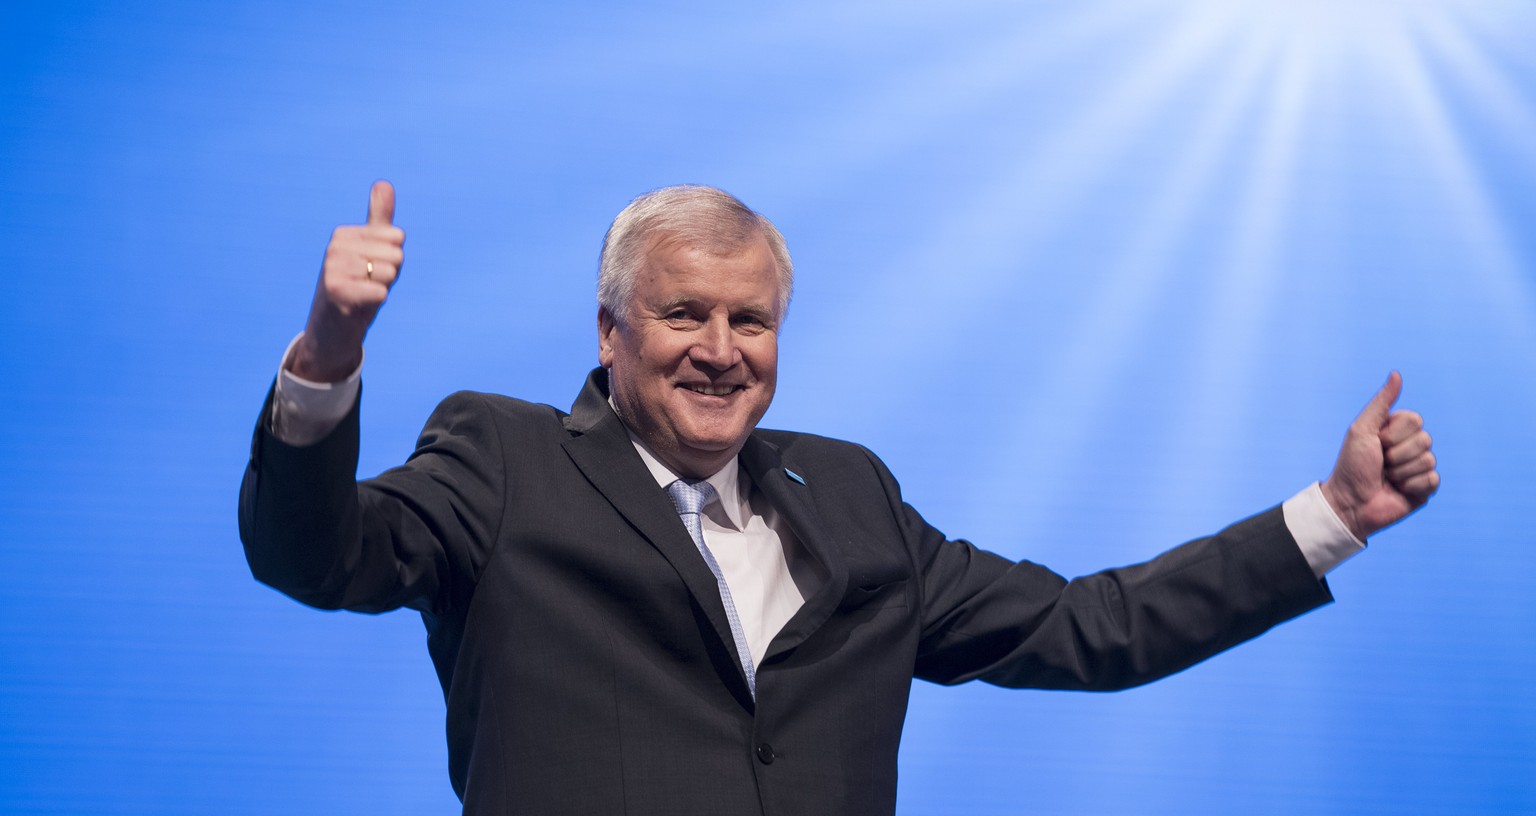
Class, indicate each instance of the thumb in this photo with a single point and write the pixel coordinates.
(381, 204)
(1376, 411)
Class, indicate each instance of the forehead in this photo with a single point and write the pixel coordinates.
(676, 267)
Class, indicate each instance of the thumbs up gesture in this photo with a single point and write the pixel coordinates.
(361, 264)
(1385, 469)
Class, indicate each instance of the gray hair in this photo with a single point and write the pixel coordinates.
(704, 217)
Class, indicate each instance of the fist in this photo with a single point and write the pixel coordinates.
(361, 263)
(1385, 469)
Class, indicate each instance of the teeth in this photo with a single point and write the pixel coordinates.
(711, 390)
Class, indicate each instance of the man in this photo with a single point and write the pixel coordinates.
(648, 605)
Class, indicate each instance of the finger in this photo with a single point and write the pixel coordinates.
(352, 247)
(1401, 425)
(379, 252)
(386, 234)
(1419, 488)
(1398, 474)
(379, 272)
(381, 204)
(1409, 448)
(374, 242)
(1375, 413)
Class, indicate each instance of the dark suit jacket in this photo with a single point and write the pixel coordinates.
(583, 649)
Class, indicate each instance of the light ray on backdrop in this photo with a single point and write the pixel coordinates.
(1092, 277)
(1092, 354)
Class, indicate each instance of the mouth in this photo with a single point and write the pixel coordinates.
(712, 390)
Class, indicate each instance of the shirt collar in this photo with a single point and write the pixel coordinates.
(726, 481)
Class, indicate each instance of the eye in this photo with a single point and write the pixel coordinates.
(750, 322)
(679, 316)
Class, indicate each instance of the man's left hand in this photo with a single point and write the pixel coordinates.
(1385, 469)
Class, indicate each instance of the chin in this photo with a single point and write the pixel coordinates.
(712, 443)
(715, 440)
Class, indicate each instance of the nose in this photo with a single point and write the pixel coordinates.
(715, 345)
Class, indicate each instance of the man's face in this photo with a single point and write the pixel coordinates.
(694, 363)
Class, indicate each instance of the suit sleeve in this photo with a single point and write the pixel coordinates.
(1019, 624)
(415, 536)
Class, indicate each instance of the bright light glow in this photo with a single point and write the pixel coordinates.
(1270, 97)
(1317, 25)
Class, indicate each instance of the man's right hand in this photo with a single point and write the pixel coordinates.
(361, 264)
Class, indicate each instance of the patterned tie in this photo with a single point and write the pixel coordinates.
(690, 499)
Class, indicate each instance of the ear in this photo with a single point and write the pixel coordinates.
(606, 326)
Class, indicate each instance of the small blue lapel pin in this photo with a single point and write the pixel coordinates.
(793, 475)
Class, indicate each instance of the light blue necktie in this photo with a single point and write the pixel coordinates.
(690, 499)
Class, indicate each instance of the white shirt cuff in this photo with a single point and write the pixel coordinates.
(304, 412)
(1322, 536)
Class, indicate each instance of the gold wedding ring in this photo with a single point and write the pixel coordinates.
(370, 270)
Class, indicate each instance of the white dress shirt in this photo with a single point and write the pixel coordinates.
(769, 574)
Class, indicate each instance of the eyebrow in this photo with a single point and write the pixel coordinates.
(674, 303)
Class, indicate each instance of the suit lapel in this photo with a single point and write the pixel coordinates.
(794, 501)
(600, 447)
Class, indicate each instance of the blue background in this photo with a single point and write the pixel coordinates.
(1153, 255)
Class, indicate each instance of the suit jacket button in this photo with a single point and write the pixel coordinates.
(765, 754)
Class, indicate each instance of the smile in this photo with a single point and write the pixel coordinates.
(712, 390)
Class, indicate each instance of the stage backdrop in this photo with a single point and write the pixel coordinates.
(1092, 277)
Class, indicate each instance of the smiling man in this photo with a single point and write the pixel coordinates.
(649, 605)
(688, 323)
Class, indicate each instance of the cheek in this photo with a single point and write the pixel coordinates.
(764, 362)
(661, 351)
